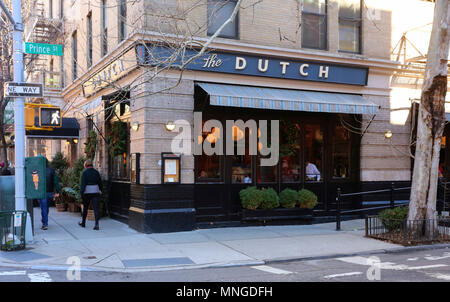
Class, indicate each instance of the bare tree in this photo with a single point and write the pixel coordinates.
(431, 119)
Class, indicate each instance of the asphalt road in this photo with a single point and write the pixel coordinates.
(412, 266)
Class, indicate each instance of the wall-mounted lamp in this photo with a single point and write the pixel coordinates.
(75, 141)
(170, 126)
(135, 126)
(388, 134)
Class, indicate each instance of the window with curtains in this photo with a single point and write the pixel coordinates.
(104, 29)
(122, 19)
(350, 26)
(218, 12)
(314, 24)
(89, 39)
(74, 56)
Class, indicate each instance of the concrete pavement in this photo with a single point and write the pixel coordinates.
(116, 247)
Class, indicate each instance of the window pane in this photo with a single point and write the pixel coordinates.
(313, 152)
(314, 31)
(314, 6)
(341, 153)
(266, 173)
(208, 166)
(218, 12)
(241, 165)
(350, 9)
(349, 37)
(290, 151)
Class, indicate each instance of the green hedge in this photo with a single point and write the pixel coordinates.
(251, 198)
(307, 199)
(270, 199)
(288, 198)
(393, 219)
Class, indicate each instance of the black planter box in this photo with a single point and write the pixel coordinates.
(276, 214)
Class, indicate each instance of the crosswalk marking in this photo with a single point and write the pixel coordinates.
(440, 276)
(427, 266)
(343, 275)
(272, 270)
(13, 273)
(39, 277)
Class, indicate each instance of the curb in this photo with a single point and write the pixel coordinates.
(50, 267)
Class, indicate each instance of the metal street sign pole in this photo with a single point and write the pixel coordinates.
(19, 114)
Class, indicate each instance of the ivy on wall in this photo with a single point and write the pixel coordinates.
(118, 139)
(91, 145)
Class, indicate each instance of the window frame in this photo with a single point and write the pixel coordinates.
(122, 18)
(104, 28)
(236, 22)
(89, 40)
(74, 56)
(325, 16)
(349, 21)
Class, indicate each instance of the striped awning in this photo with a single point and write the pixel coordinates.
(286, 99)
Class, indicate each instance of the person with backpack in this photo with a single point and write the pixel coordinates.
(90, 190)
(52, 190)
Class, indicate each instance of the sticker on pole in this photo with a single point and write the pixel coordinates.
(17, 220)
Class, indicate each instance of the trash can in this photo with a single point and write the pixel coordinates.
(12, 230)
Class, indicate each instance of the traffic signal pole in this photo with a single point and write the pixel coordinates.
(19, 114)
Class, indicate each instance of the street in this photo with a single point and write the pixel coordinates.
(412, 266)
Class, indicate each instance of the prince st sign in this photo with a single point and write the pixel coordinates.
(43, 49)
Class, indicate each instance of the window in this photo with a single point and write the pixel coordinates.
(314, 24)
(313, 152)
(350, 26)
(74, 56)
(241, 165)
(290, 138)
(340, 155)
(122, 20)
(50, 9)
(218, 12)
(104, 23)
(209, 166)
(89, 39)
(61, 9)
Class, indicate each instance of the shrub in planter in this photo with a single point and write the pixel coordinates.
(392, 219)
(288, 198)
(251, 198)
(307, 199)
(270, 199)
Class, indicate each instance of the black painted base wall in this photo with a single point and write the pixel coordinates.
(183, 207)
(161, 208)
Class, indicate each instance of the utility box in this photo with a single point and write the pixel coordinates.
(35, 177)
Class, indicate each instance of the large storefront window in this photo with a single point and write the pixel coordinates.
(118, 132)
(341, 150)
(241, 165)
(209, 166)
(313, 152)
(290, 137)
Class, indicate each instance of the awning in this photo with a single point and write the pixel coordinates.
(69, 129)
(286, 99)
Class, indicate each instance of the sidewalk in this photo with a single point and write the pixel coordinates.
(116, 247)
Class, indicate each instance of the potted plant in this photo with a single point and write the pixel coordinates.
(270, 199)
(61, 206)
(307, 199)
(288, 198)
(251, 198)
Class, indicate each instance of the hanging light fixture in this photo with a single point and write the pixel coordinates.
(170, 126)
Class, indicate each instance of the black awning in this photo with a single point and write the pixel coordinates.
(69, 129)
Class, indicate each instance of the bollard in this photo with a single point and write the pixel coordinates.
(338, 210)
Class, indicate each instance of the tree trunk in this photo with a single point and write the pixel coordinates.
(431, 122)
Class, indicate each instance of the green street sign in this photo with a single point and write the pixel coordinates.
(43, 49)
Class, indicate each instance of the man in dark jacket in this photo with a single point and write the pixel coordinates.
(52, 186)
(90, 190)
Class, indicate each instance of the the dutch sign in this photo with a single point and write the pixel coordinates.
(50, 117)
(14, 89)
(43, 49)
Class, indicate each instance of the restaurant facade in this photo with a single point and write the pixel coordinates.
(344, 121)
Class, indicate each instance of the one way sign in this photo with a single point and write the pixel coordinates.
(14, 89)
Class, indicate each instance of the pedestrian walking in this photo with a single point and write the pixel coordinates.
(52, 190)
(90, 190)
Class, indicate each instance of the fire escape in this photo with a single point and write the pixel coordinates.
(41, 27)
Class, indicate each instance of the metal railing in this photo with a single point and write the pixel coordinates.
(340, 196)
(408, 232)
